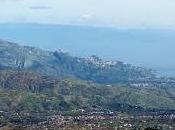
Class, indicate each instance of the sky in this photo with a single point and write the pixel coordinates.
(115, 13)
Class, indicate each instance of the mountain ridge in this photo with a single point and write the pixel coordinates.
(60, 63)
(36, 85)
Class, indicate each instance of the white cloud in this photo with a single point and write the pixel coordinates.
(40, 7)
(119, 13)
(86, 16)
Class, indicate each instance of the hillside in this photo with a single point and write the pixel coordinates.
(28, 99)
(60, 63)
(37, 86)
(33, 70)
(29, 91)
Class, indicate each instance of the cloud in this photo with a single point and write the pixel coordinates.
(86, 17)
(118, 13)
(10, 0)
(40, 7)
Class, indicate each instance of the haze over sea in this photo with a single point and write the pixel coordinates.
(152, 48)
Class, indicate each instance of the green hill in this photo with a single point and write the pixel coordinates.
(60, 63)
(35, 83)
(28, 91)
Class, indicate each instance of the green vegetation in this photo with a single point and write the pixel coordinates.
(59, 63)
(28, 91)
(36, 84)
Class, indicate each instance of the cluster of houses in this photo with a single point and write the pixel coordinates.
(101, 120)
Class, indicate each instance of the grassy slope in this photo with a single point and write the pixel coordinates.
(27, 91)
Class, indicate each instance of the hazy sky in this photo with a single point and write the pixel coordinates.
(118, 13)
